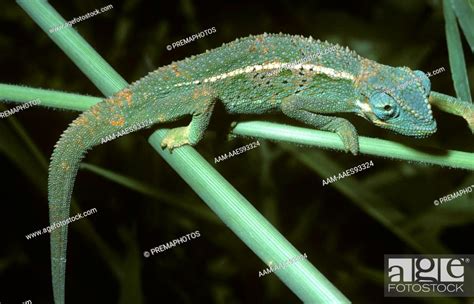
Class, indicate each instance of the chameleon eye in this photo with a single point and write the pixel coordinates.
(390, 111)
(383, 106)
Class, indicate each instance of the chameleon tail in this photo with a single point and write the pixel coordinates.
(121, 114)
(85, 132)
(62, 173)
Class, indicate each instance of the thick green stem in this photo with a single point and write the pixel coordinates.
(47, 98)
(75, 47)
(370, 146)
(248, 224)
(454, 106)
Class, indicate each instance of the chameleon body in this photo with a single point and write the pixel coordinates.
(253, 75)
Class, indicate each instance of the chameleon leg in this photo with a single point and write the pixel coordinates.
(294, 107)
(192, 133)
(454, 106)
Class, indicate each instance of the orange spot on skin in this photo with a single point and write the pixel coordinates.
(125, 94)
(175, 70)
(119, 122)
(199, 92)
(81, 120)
(368, 68)
(95, 110)
(114, 101)
(161, 118)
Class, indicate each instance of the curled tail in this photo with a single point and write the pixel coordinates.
(100, 122)
(62, 171)
(114, 117)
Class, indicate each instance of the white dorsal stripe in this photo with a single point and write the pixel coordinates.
(312, 68)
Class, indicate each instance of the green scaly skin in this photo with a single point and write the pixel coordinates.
(248, 76)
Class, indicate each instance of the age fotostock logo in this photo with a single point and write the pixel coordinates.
(428, 276)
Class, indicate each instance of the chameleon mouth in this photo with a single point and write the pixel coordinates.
(420, 131)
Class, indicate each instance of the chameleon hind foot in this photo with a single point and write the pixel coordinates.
(175, 138)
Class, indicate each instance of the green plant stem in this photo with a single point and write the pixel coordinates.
(48, 98)
(248, 224)
(311, 137)
(370, 146)
(454, 106)
(105, 78)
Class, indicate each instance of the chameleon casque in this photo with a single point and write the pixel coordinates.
(253, 75)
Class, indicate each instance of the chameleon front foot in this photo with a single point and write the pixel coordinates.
(350, 139)
(175, 138)
(346, 131)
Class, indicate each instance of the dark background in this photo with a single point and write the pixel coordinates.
(345, 229)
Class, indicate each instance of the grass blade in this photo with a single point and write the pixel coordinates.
(456, 54)
(465, 14)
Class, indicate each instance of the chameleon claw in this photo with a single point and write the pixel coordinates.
(351, 145)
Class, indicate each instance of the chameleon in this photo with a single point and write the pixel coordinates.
(252, 75)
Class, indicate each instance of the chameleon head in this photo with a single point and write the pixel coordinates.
(397, 99)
